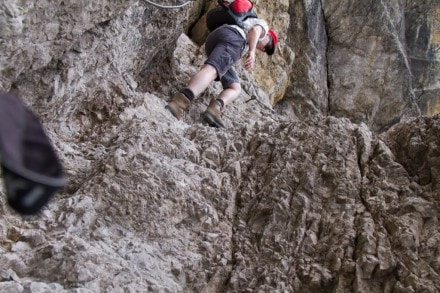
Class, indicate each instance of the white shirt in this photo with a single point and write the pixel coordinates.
(248, 24)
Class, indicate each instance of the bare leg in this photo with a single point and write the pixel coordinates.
(201, 80)
(180, 103)
(212, 115)
(230, 94)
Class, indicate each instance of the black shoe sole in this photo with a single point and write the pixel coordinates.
(212, 120)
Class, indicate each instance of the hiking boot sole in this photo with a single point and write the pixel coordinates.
(212, 120)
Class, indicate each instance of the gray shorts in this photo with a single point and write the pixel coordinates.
(224, 46)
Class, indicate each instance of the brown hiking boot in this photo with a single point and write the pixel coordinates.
(178, 106)
(212, 115)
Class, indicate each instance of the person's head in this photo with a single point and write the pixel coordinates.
(269, 43)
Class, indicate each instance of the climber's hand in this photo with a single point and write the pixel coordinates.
(249, 62)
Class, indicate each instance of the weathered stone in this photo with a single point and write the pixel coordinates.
(423, 39)
(293, 201)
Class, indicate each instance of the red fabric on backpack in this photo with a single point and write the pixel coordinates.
(241, 5)
(230, 13)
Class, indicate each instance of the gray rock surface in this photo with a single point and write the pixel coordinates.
(371, 61)
(292, 200)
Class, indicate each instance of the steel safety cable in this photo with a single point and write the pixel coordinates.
(168, 6)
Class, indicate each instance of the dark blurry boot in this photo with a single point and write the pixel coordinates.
(31, 169)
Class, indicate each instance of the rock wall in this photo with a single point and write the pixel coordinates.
(370, 61)
(288, 199)
(423, 42)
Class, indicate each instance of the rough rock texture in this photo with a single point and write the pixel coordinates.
(423, 43)
(370, 61)
(292, 200)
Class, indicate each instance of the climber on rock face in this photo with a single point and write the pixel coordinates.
(225, 45)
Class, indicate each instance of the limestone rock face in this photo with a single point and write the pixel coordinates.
(384, 49)
(423, 41)
(290, 198)
(374, 62)
(35, 33)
